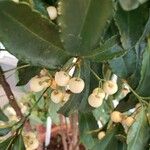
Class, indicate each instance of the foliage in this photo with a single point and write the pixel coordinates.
(106, 37)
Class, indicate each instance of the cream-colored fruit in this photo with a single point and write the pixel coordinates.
(53, 85)
(45, 81)
(76, 85)
(116, 116)
(100, 92)
(128, 121)
(110, 87)
(95, 100)
(101, 135)
(57, 96)
(52, 12)
(62, 78)
(35, 85)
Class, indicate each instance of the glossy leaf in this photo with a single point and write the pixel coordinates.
(25, 74)
(3, 117)
(109, 50)
(138, 134)
(79, 101)
(130, 26)
(29, 36)
(6, 145)
(87, 123)
(19, 143)
(82, 28)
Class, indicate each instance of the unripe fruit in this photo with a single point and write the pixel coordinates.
(101, 135)
(57, 96)
(52, 12)
(35, 85)
(116, 116)
(62, 78)
(76, 85)
(110, 87)
(128, 121)
(95, 101)
(100, 92)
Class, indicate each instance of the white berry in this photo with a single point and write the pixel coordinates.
(99, 91)
(45, 81)
(95, 100)
(62, 78)
(66, 97)
(52, 12)
(35, 84)
(116, 116)
(128, 121)
(101, 135)
(57, 96)
(110, 87)
(76, 85)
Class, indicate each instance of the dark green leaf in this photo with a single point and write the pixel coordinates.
(82, 28)
(87, 123)
(5, 145)
(19, 143)
(3, 117)
(25, 74)
(138, 134)
(4, 130)
(109, 50)
(79, 101)
(29, 36)
(130, 26)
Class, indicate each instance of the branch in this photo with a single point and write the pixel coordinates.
(9, 94)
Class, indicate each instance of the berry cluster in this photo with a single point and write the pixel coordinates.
(96, 98)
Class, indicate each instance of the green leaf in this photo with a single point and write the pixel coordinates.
(109, 141)
(79, 101)
(130, 26)
(131, 4)
(52, 112)
(144, 85)
(82, 23)
(102, 113)
(25, 74)
(3, 117)
(4, 130)
(87, 123)
(109, 50)
(29, 36)
(19, 143)
(6, 145)
(139, 130)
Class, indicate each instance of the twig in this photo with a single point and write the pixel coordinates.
(63, 134)
(9, 94)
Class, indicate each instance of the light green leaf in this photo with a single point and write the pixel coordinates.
(82, 28)
(29, 36)
(138, 134)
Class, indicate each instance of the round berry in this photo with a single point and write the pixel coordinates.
(95, 100)
(128, 121)
(62, 78)
(57, 96)
(53, 85)
(116, 116)
(110, 87)
(52, 12)
(100, 92)
(35, 85)
(101, 135)
(76, 85)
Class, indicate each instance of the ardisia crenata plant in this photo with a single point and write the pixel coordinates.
(90, 58)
